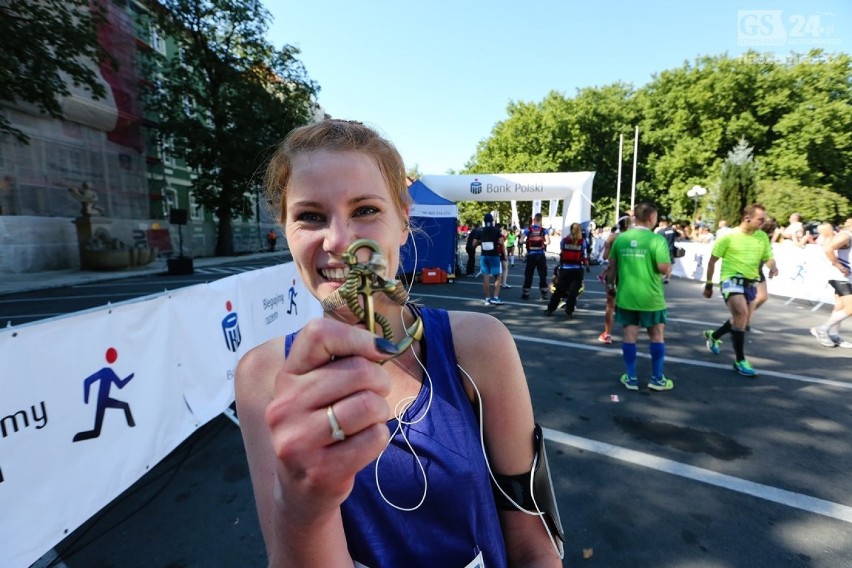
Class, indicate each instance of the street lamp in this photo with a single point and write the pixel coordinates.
(696, 192)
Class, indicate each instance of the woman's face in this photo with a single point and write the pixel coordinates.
(333, 199)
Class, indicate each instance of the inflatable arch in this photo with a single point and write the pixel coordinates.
(575, 188)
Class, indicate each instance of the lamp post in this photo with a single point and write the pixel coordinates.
(696, 192)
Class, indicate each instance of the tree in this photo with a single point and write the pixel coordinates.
(785, 197)
(225, 99)
(45, 46)
(738, 183)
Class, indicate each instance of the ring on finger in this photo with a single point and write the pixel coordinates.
(337, 432)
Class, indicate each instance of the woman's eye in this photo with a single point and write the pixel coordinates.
(366, 210)
(309, 217)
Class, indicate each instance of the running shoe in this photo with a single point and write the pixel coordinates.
(744, 368)
(544, 296)
(660, 384)
(580, 291)
(822, 337)
(506, 286)
(496, 301)
(525, 296)
(605, 338)
(630, 383)
(487, 301)
(839, 342)
(712, 344)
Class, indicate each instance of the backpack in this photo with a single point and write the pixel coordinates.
(535, 240)
(571, 252)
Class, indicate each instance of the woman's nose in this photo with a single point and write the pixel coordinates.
(338, 237)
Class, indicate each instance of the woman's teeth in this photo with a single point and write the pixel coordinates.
(334, 274)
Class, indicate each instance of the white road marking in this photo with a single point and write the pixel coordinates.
(766, 492)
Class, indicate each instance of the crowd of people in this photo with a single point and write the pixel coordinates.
(634, 294)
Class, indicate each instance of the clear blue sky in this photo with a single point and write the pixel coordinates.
(435, 76)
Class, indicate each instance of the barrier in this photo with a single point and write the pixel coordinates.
(91, 401)
(803, 272)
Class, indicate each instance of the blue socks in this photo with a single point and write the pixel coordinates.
(658, 357)
(628, 351)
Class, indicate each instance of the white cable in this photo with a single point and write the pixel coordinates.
(537, 511)
(399, 412)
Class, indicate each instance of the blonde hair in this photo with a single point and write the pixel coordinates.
(338, 136)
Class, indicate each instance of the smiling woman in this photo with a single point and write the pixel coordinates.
(349, 456)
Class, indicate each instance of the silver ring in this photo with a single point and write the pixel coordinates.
(336, 432)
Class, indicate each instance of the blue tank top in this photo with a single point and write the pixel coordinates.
(458, 518)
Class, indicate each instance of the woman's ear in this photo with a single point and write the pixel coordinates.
(406, 226)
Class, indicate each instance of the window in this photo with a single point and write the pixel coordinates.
(196, 211)
(157, 41)
(170, 201)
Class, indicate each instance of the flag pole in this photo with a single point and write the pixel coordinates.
(618, 182)
(635, 159)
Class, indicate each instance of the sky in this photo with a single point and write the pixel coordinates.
(436, 76)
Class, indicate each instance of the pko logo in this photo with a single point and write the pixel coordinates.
(475, 187)
(770, 27)
(231, 329)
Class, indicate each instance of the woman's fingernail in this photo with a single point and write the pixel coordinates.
(386, 346)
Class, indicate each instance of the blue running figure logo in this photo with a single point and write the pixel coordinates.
(107, 378)
(292, 293)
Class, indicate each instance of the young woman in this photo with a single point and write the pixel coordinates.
(356, 461)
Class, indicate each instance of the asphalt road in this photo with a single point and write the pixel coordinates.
(723, 471)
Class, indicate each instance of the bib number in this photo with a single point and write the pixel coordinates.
(488, 246)
(733, 286)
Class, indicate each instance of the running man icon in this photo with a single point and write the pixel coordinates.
(107, 378)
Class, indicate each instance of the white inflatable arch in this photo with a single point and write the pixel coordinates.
(575, 188)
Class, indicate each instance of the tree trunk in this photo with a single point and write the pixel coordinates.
(225, 235)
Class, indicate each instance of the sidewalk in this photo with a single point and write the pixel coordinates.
(11, 283)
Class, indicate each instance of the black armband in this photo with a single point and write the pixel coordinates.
(532, 491)
(708, 284)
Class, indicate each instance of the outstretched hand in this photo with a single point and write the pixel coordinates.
(330, 365)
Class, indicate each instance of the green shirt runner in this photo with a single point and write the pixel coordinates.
(640, 287)
(742, 254)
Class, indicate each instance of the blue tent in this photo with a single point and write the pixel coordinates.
(433, 243)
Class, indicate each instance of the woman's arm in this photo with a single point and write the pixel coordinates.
(508, 423)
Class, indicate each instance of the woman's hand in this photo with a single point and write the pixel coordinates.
(330, 365)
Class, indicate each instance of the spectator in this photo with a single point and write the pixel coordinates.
(795, 231)
(723, 229)
(470, 249)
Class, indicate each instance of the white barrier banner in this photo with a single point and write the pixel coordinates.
(89, 403)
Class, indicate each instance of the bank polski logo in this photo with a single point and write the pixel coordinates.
(775, 28)
(475, 186)
(231, 328)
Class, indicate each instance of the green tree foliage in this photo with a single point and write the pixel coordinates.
(45, 46)
(225, 100)
(796, 114)
(784, 197)
(738, 183)
(561, 134)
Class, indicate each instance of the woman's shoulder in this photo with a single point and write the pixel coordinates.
(474, 331)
